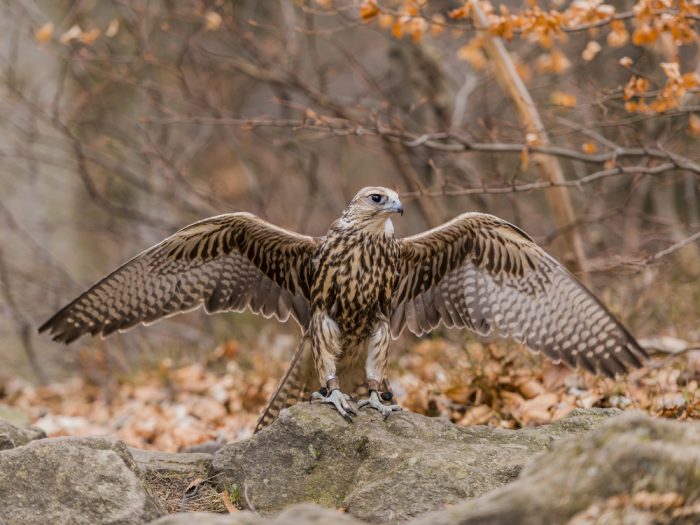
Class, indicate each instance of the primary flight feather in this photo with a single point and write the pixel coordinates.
(354, 289)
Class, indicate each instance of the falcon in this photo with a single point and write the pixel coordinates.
(356, 288)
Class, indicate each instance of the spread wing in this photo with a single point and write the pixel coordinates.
(226, 263)
(482, 273)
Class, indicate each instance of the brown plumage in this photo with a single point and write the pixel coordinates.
(355, 288)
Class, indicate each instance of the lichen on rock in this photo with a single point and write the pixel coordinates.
(381, 471)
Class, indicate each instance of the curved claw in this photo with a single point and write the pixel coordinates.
(339, 401)
(375, 403)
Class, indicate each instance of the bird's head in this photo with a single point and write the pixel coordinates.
(371, 209)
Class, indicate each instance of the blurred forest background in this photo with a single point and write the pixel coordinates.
(124, 120)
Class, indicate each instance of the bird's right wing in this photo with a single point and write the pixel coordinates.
(482, 273)
(225, 263)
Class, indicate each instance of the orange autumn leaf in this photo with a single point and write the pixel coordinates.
(416, 28)
(690, 80)
(44, 33)
(672, 70)
(589, 147)
(635, 86)
(473, 53)
(460, 12)
(561, 98)
(554, 62)
(385, 21)
(618, 35)
(592, 49)
(369, 10)
(397, 29)
(694, 125)
(90, 37)
(644, 35)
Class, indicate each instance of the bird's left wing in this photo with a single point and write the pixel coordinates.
(226, 263)
(482, 273)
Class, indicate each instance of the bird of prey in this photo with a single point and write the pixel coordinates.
(354, 289)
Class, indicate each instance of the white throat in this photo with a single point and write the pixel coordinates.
(389, 228)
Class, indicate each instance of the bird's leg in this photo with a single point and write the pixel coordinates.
(331, 394)
(375, 367)
(326, 346)
(375, 400)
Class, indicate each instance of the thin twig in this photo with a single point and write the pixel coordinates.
(674, 247)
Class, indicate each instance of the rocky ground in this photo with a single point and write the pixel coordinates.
(310, 467)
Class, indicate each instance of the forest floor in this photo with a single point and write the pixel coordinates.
(173, 407)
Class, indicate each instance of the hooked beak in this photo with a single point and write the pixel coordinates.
(395, 206)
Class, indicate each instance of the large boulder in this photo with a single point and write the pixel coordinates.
(381, 471)
(74, 481)
(12, 436)
(632, 470)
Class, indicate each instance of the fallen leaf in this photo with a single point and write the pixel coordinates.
(212, 20)
(476, 416)
(90, 37)
(193, 487)
(561, 98)
(227, 502)
(44, 33)
(112, 28)
(531, 389)
(72, 34)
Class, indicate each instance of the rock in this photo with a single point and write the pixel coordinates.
(179, 479)
(73, 481)
(12, 436)
(381, 471)
(295, 515)
(632, 469)
(208, 447)
(210, 518)
(187, 463)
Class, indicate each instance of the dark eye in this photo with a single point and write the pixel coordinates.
(376, 198)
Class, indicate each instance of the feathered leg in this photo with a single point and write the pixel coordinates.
(375, 368)
(326, 348)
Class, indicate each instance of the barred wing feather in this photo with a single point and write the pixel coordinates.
(482, 273)
(225, 263)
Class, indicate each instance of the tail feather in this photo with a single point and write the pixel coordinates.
(294, 386)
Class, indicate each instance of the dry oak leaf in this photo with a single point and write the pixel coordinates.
(589, 147)
(44, 33)
(369, 10)
(561, 98)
